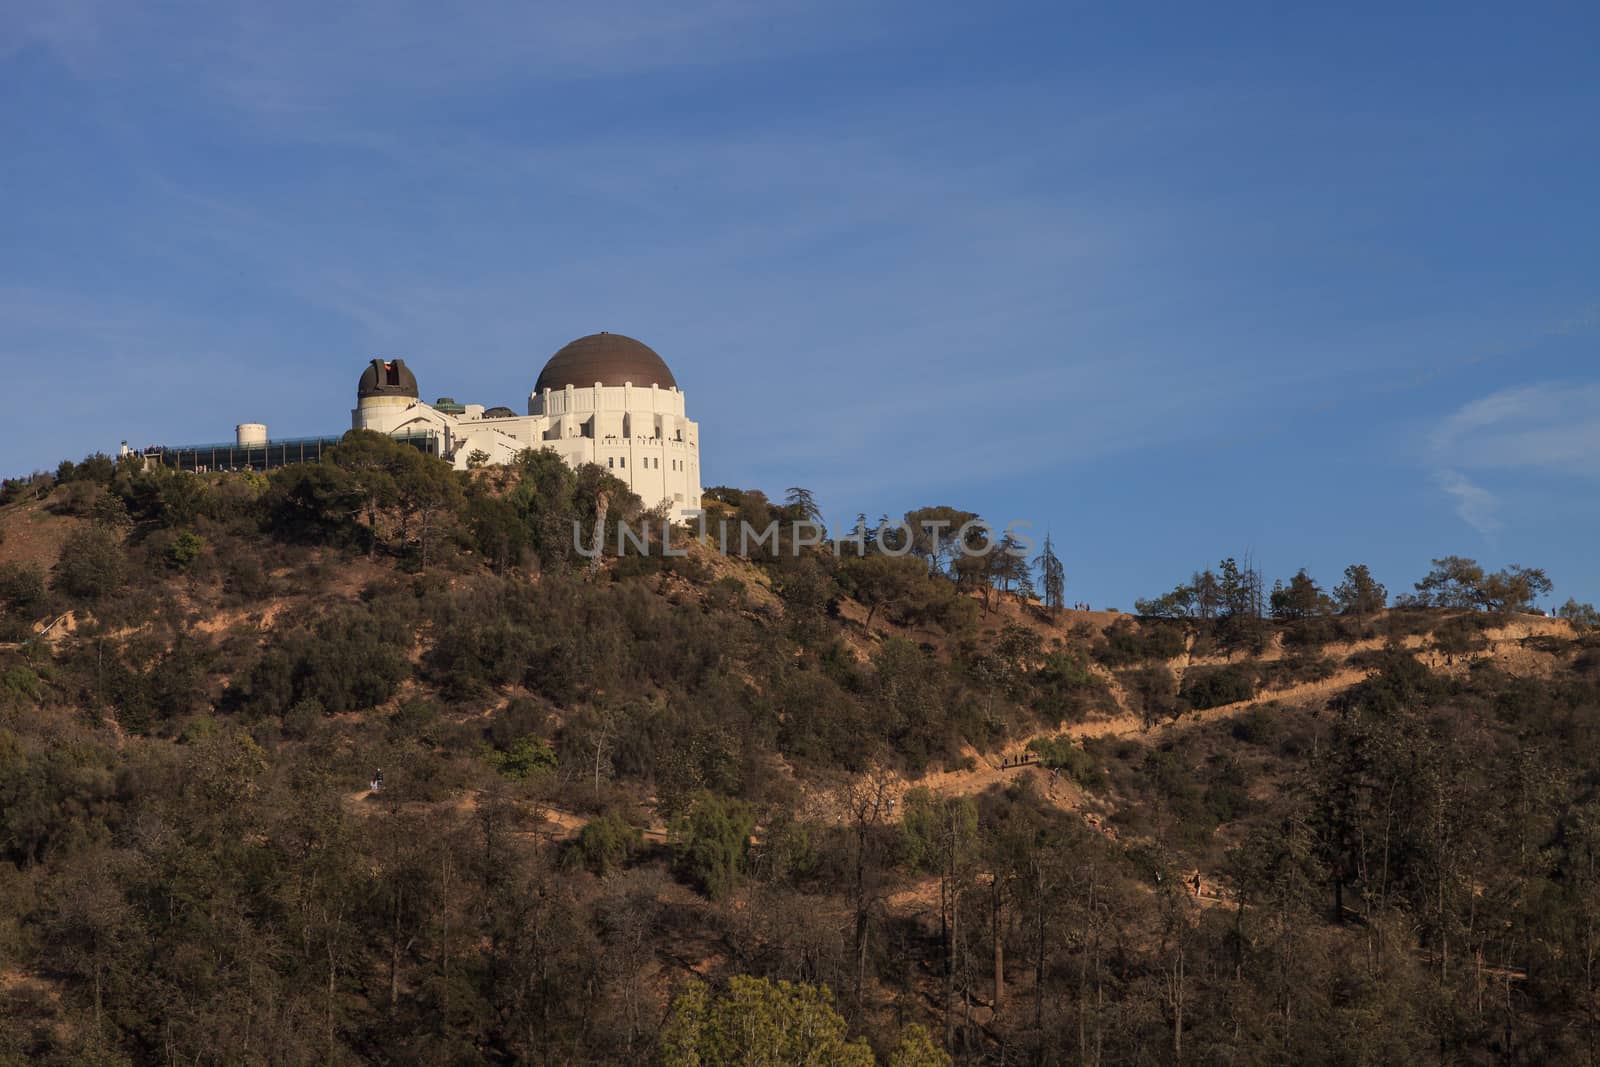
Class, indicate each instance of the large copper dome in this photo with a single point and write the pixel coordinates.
(607, 358)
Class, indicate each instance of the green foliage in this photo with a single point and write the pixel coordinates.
(1213, 687)
(92, 564)
(1582, 616)
(758, 1023)
(606, 843)
(527, 756)
(711, 844)
(497, 530)
(185, 549)
(1453, 583)
(1127, 642)
(1302, 598)
(1067, 756)
(18, 686)
(1052, 576)
(933, 533)
(916, 1048)
(349, 661)
(194, 876)
(1360, 594)
(899, 586)
(938, 833)
(21, 587)
(1457, 582)
(52, 796)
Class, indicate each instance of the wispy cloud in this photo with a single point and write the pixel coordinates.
(1546, 429)
(1476, 506)
(1552, 427)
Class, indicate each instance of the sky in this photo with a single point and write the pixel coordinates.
(1170, 283)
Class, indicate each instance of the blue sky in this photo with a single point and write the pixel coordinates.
(1173, 283)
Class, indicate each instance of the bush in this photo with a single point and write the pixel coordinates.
(1065, 755)
(185, 549)
(526, 756)
(1222, 685)
(712, 842)
(92, 564)
(606, 843)
(1126, 642)
(351, 661)
(21, 586)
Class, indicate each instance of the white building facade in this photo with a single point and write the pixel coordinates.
(605, 399)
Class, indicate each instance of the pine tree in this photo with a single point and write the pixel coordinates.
(1052, 576)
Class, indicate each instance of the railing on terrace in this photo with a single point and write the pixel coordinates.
(231, 456)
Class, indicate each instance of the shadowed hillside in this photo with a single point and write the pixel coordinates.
(906, 807)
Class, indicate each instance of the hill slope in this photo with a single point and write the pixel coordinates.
(1046, 836)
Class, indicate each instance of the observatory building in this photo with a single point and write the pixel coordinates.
(604, 399)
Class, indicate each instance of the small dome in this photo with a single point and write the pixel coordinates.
(387, 377)
(607, 358)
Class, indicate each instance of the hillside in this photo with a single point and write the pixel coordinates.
(1018, 834)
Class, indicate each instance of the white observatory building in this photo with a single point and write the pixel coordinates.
(604, 398)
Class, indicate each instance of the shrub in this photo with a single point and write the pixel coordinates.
(21, 586)
(606, 843)
(1214, 688)
(1065, 755)
(92, 564)
(712, 842)
(1126, 642)
(185, 549)
(526, 755)
(351, 661)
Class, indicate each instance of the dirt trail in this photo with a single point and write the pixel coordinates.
(557, 824)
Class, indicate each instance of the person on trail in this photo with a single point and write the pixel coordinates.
(377, 781)
(1196, 883)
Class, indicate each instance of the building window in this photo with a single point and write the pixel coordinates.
(622, 461)
(611, 461)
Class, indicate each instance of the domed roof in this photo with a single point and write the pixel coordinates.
(387, 377)
(607, 358)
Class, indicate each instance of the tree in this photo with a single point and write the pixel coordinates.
(497, 531)
(430, 496)
(372, 460)
(712, 842)
(1052, 576)
(1240, 589)
(870, 805)
(940, 834)
(758, 1023)
(1582, 616)
(1513, 589)
(91, 564)
(802, 504)
(21, 586)
(883, 582)
(1011, 567)
(916, 1049)
(1300, 599)
(1360, 594)
(606, 842)
(185, 549)
(933, 534)
(1207, 594)
(1454, 582)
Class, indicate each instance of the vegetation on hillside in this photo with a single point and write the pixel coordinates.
(814, 807)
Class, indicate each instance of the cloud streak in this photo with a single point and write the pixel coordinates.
(1544, 430)
(1550, 427)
